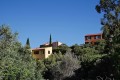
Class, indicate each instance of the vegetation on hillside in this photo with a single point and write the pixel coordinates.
(16, 62)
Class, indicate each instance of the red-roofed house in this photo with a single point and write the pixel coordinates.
(92, 38)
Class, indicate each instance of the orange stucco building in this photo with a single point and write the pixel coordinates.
(92, 38)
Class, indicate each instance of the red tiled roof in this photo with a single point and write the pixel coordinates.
(38, 49)
(93, 34)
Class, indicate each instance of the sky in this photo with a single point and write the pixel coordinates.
(68, 21)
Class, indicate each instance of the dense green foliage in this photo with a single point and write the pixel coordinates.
(61, 49)
(16, 62)
(110, 65)
(111, 23)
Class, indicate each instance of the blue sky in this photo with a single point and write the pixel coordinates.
(66, 20)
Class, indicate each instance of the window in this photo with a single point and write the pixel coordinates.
(48, 52)
(94, 37)
(97, 37)
(42, 52)
(36, 52)
(88, 37)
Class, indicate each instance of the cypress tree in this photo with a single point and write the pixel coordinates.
(50, 41)
(27, 44)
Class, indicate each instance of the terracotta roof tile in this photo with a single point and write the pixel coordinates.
(93, 34)
(38, 49)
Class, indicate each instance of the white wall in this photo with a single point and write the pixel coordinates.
(46, 51)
